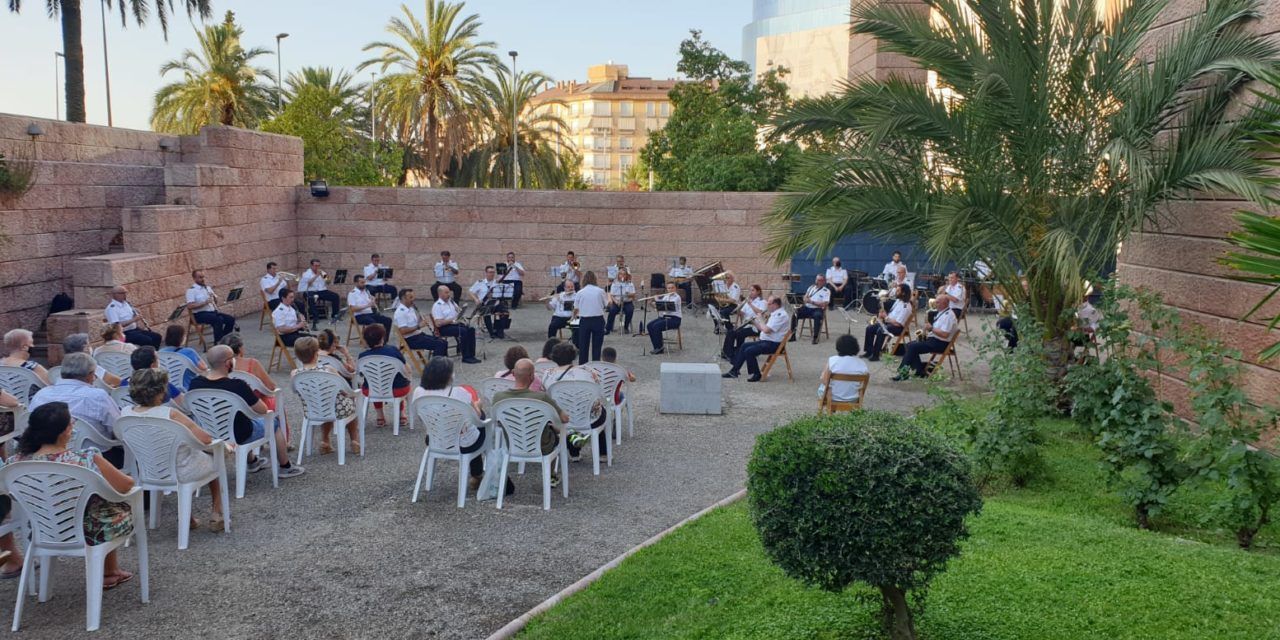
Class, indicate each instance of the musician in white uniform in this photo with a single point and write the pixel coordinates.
(203, 303)
(957, 292)
(271, 284)
(727, 287)
(892, 323)
(410, 324)
(619, 266)
(445, 314)
(838, 281)
(589, 304)
(622, 299)
(772, 331)
(570, 271)
(360, 303)
(314, 285)
(483, 292)
(561, 306)
(287, 322)
(938, 335)
(890, 272)
(514, 276)
(136, 328)
(755, 305)
(375, 284)
(447, 275)
(683, 270)
(816, 300)
(668, 319)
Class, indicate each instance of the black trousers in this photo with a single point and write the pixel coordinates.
(374, 318)
(517, 293)
(807, 312)
(734, 339)
(221, 323)
(916, 348)
(557, 323)
(453, 286)
(748, 354)
(841, 294)
(877, 335)
(424, 342)
(590, 336)
(687, 288)
(327, 297)
(626, 309)
(376, 289)
(142, 338)
(656, 328)
(289, 338)
(466, 338)
(498, 322)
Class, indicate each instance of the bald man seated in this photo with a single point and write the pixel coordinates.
(136, 329)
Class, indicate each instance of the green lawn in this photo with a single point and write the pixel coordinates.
(1056, 560)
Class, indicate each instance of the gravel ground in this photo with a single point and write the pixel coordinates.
(341, 552)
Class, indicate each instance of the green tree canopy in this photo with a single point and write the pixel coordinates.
(332, 149)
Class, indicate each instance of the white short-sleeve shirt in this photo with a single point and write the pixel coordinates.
(481, 288)
(118, 311)
(900, 312)
(672, 297)
(443, 275)
(444, 310)
(513, 272)
(778, 324)
(957, 293)
(945, 322)
(284, 316)
(405, 317)
(844, 390)
(200, 294)
(569, 273)
(753, 308)
(837, 276)
(269, 281)
(311, 282)
(620, 290)
(370, 273)
(590, 301)
(358, 298)
(817, 295)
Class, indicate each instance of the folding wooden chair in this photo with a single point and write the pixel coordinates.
(265, 316)
(279, 352)
(807, 323)
(773, 357)
(195, 331)
(831, 406)
(677, 342)
(948, 356)
(354, 327)
(415, 357)
(902, 338)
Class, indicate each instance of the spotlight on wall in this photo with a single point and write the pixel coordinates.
(165, 144)
(319, 189)
(34, 130)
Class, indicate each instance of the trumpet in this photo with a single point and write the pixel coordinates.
(576, 265)
(919, 335)
(285, 275)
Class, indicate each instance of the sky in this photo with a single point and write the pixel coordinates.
(558, 37)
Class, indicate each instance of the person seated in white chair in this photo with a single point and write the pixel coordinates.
(437, 380)
(222, 362)
(87, 402)
(12, 562)
(523, 372)
(113, 340)
(516, 354)
(17, 353)
(307, 349)
(148, 388)
(79, 343)
(564, 355)
(847, 362)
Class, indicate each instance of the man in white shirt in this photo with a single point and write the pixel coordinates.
(271, 284)
(838, 281)
(136, 328)
(619, 266)
(497, 320)
(816, 300)
(589, 304)
(561, 306)
(570, 271)
(445, 315)
(957, 292)
(622, 299)
(772, 331)
(360, 303)
(684, 273)
(409, 323)
(286, 320)
(203, 303)
(938, 335)
(892, 323)
(755, 305)
(314, 285)
(514, 276)
(447, 275)
(890, 272)
(666, 320)
(732, 293)
(378, 285)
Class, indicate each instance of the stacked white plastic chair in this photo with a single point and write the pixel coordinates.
(611, 376)
(115, 362)
(20, 382)
(54, 497)
(522, 421)
(319, 391)
(379, 374)
(576, 398)
(155, 444)
(490, 387)
(215, 411)
(445, 419)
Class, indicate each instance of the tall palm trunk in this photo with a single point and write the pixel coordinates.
(74, 50)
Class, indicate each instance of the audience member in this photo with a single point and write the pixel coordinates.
(79, 343)
(12, 556)
(437, 380)
(86, 402)
(514, 355)
(376, 337)
(307, 349)
(846, 361)
(523, 373)
(332, 347)
(145, 358)
(113, 340)
(17, 353)
(610, 355)
(175, 341)
(246, 429)
(564, 355)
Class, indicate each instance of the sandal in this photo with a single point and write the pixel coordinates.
(355, 447)
(382, 422)
(325, 448)
(216, 524)
(120, 578)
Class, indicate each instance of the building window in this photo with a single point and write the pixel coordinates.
(627, 109)
(601, 108)
(598, 178)
(665, 109)
(624, 162)
(625, 144)
(648, 109)
(600, 161)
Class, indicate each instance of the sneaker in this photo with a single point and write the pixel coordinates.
(728, 374)
(555, 481)
(471, 360)
(658, 352)
(292, 470)
(258, 464)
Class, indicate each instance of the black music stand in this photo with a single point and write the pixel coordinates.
(500, 268)
(567, 305)
(665, 306)
(795, 299)
(177, 313)
(383, 273)
(235, 294)
(340, 276)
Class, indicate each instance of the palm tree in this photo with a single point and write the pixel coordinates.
(341, 85)
(72, 46)
(437, 66)
(219, 84)
(1259, 235)
(540, 139)
(1049, 139)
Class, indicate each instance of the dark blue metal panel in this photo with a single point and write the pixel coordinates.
(860, 252)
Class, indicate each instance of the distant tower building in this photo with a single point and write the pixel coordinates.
(609, 118)
(808, 37)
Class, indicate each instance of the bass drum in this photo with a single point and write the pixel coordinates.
(875, 300)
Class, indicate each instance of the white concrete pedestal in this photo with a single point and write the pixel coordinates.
(690, 388)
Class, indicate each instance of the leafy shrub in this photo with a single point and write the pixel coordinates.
(1007, 441)
(867, 496)
(17, 174)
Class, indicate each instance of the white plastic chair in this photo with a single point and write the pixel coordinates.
(611, 376)
(122, 398)
(522, 421)
(20, 382)
(490, 387)
(155, 444)
(115, 363)
(576, 398)
(84, 436)
(445, 420)
(379, 373)
(539, 367)
(19, 425)
(215, 411)
(258, 387)
(176, 365)
(54, 496)
(55, 374)
(335, 363)
(319, 391)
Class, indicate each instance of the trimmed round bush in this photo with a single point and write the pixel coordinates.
(861, 497)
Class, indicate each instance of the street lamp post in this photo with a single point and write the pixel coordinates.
(515, 132)
(106, 66)
(279, 70)
(57, 102)
(373, 115)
